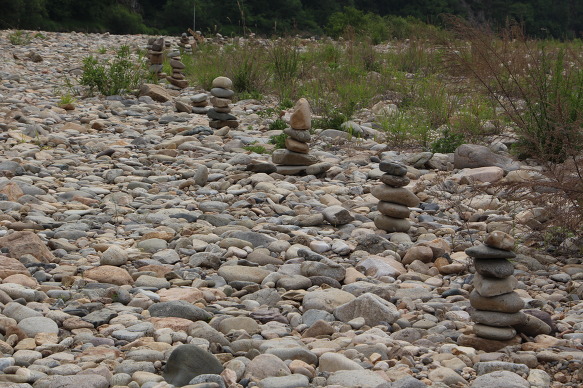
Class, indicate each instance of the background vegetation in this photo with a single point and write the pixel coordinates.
(380, 19)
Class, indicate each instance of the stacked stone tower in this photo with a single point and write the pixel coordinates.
(296, 152)
(155, 52)
(394, 199)
(496, 307)
(177, 77)
(219, 115)
(184, 43)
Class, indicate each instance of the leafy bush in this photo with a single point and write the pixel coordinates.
(19, 38)
(109, 77)
(448, 142)
(278, 140)
(277, 124)
(258, 149)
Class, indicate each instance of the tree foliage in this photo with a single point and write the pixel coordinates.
(541, 18)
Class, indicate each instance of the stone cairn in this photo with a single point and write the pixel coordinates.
(394, 199)
(184, 43)
(199, 103)
(296, 144)
(177, 77)
(496, 307)
(155, 52)
(219, 115)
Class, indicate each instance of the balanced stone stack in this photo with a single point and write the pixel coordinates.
(155, 52)
(185, 43)
(496, 307)
(394, 199)
(219, 115)
(177, 77)
(298, 136)
(199, 103)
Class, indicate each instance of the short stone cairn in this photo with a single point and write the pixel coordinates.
(199, 103)
(155, 52)
(394, 199)
(177, 77)
(496, 307)
(219, 115)
(184, 43)
(298, 136)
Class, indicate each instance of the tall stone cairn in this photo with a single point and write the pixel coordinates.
(496, 307)
(296, 144)
(155, 55)
(177, 78)
(219, 115)
(394, 199)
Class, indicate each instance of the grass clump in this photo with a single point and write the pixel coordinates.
(278, 140)
(277, 124)
(258, 149)
(20, 38)
(121, 74)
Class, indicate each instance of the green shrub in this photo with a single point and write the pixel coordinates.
(20, 38)
(258, 149)
(278, 140)
(277, 124)
(448, 142)
(121, 74)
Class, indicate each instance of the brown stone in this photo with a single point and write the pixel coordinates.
(301, 118)
(418, 252)
(191, 295)
(12, 191)
(399, 195)
(176, 324)
(500, 240)
(319, 328)
(393, 209)
(394, 180)
(156, 92)
(296, 146)
(487, 345)
(26, 243)
(109, 274)
(10, 266)
(23, 280)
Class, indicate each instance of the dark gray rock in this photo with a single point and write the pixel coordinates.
(494, 268)
(486, 252)
(187, 362)
(179, 309)
(393, 168)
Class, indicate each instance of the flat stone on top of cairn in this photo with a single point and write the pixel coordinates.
(219, 115)
(394, 199)
(496, 307)
(296, 153)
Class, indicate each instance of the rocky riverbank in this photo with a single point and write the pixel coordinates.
(142, 248)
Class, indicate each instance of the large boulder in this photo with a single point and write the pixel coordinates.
(473, 156)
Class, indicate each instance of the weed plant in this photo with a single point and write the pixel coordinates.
(20, 38)
(123, 73)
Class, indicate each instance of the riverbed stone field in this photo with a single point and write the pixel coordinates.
(141, 246)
